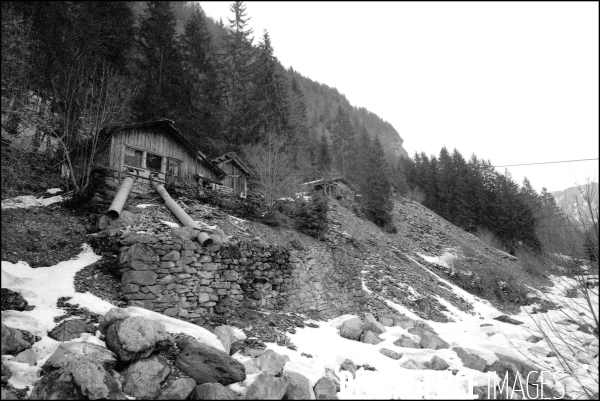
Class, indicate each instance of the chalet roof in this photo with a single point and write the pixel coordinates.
(233, 157)
(343, 180)
(167, 127)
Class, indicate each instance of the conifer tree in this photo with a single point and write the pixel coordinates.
(343, 137)
(160, 65)
(447, 183)
(376, 193)
(203, 113)
(237, 73)
(269, 111)
(324, 159)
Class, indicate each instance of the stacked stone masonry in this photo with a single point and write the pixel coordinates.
(175, 275)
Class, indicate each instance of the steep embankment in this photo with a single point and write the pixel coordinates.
(404, 273)
(411, 267)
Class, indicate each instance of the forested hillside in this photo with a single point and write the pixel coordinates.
(95, 65)
(474, 196)
(72, 70)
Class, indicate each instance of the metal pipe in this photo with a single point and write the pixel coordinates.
(204, 239)
(116, 207)
(183, 217)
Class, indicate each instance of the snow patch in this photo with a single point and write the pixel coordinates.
(27, 201)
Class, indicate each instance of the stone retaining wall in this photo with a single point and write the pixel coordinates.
(175, 275)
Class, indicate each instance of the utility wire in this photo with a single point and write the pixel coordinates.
(531, 164)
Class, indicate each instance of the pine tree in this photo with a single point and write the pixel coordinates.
(376, 191)
(324, 159)
(202, 114)
(447, 184)
(462, 211)
(160, 66)
(237, 75)
(269, 111)
(343, 137)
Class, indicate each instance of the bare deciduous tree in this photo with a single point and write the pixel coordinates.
(272, 164)
(88, 104)
(577, 350)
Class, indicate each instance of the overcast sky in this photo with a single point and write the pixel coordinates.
(512, 82)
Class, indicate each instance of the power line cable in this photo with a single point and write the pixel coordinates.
(531, 164)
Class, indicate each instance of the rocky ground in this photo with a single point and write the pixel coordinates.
(43, 236)
(396, 268)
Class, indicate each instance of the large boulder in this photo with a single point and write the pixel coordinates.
(298, 387)
(135, 337)
(406, 343)
(404, 321)
(266, 387)
(15, 340)
(6, 373)
(226, 336)
(138, 257)
(78, 380)
(330, 373)
(143, 378)
(390, 354)
(213, 391)
(179, 389)
(419, 331)
(252, 347)
(436, 363)
(523, 367)
(469, 360)
(351, 329)
(386, 320)
(28, 356)
(114, 315)
(372, 324)
(79, 352)
(413, 365)
(71, 329)
(390, 320)
(433, 342)
(502, 369)
(206, 364)
(368, 337)
(271, 362)
(325, 389)
(11, 300)
(251, 366)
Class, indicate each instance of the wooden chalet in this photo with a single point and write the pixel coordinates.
(336, 187)
(157, 147)
(237, 173)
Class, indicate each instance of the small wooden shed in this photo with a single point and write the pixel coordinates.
(337, 187)
(237, 173)
(156, 147)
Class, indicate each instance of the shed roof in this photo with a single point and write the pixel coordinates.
(167, 127)
(234, 158)
(343, 180)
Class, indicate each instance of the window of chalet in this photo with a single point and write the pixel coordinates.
(153, 162)
(143, 159)
(133, 157)
(173, 167)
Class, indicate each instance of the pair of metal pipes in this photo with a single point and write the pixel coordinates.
(118, 202)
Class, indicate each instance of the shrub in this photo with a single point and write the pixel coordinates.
(274, 218)
(311, 217)
(489, 238)
(27, 173)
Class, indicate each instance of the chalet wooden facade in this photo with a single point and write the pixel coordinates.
(336, 187)
(237, 173)
(157, 148)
